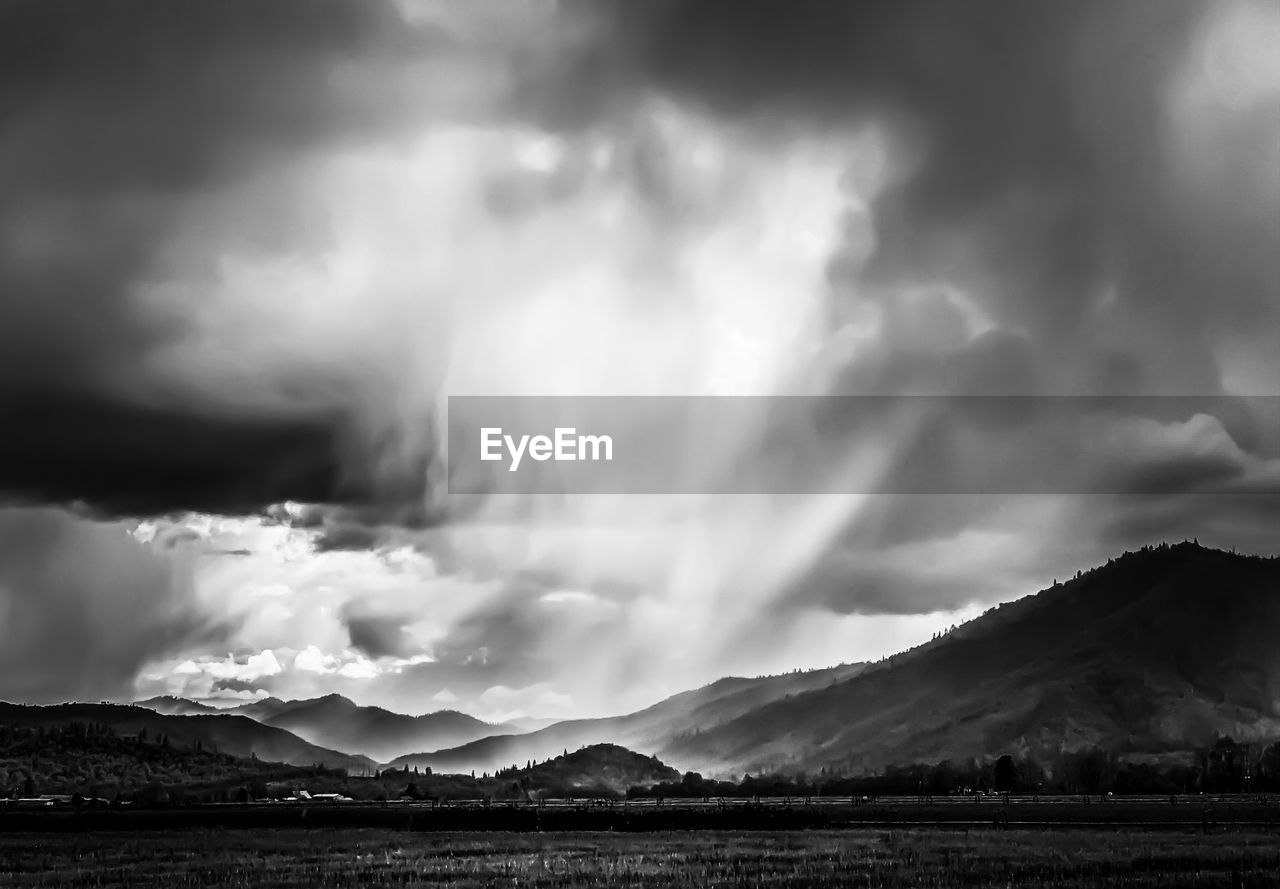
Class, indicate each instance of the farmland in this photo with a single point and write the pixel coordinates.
(881, 858)
(1204, 813)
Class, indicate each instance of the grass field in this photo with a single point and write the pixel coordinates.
(1241, 812)
(883, 859)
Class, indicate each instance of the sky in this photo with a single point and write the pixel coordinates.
(249, 249)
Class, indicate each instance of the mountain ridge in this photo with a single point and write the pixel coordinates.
(335, 721)
(1130, 654)
(1158, 648)
(230, 733)
(642, 730)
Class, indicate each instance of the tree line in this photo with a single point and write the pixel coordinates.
(1223, 767)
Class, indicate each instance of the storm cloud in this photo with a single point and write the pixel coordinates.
(84, 606)
(249, 248)
(1063, 164)
(377, 635)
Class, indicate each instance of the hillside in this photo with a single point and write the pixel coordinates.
(336, 722)
(646, 730)
(339, 723)
(599, 770)
(232, 734)
(169, 705)
(93, 761)
(1157, 650)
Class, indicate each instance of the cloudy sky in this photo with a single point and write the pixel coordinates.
(248, 248)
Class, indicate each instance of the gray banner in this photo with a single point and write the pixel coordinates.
(859, 444)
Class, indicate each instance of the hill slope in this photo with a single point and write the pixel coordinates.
(232, 734)
(1157, 650)
(594, 770)
(93, 761)
(337, 722)
(646, 730)
(169, 705)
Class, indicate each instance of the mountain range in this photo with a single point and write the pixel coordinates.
(338, 722)
(1157, 651)
(228, 733)
(654, 728)
(1160, 650)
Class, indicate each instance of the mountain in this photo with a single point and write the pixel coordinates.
(261, 709)
(337, 722)
(1158, 650)
(90, 759)
(170, 705)
(646, 730)
(232, 734)
(597, 770)
(524, 724)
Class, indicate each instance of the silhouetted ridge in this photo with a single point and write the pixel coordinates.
(1159, 649)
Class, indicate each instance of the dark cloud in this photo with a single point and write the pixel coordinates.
(505, 638)
(377, 635)
(863, 584)
(1042, 227)
(117, 119)
(128, 459)
(302, 515)
(113, 115)
(1037, 180)
(84, 607)
(1042, 175)
(1244, 520)
(347, 537)
(517, 638)
(386, 521)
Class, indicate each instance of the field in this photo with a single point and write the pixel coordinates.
(910, 857)
(1257, 813)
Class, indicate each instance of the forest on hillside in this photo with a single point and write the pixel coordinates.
(91, 761)
(1224, 767)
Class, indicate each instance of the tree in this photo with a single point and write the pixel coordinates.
(1007, 778)
(152, 795)
(1225, 765)
(1269, 767)
(942, 778)
(1088, 771)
